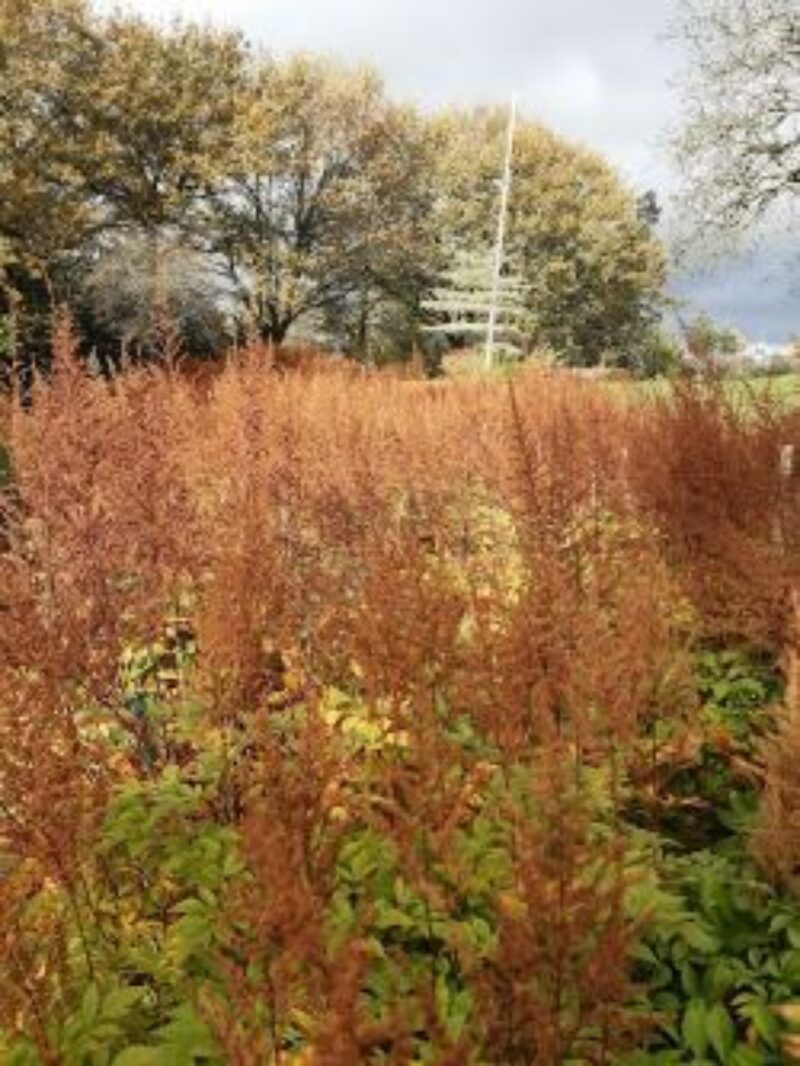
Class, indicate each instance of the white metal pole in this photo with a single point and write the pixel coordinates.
(499, 248)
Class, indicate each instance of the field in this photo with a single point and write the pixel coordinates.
(779, 389)
(783, 389)
(348, 719)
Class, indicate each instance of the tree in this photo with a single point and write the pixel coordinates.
(593, 271)
(110, 130)
(154, 128)
(46, 46)
(648, 208)
(136, 288)
(155, 123)
(321, 204)
(708, 341)
(739, 143)
(462, 299)
(329, 208)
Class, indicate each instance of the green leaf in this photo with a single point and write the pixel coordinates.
(793, 933)
(187, 1037)
(689, 980)
(721, 1031)
(139, 1056)
(90, 1005)
(694, 1028)
(21, 1055)
(764, 1022)
(699, 939)
(120, 1002)
(747, 1056)
(389, 917)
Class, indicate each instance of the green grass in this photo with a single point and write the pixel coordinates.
(785, 389)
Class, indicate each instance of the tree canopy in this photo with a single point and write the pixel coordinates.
(739, 143)
(329, 198)
(593, 271)
(304, 199)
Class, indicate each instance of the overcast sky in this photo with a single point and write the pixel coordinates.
(598, 71)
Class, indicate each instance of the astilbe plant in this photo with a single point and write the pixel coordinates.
(776, 840)
(348, 678)
(555, 989)
(707, 469)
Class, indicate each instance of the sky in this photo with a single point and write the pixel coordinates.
(602, 72)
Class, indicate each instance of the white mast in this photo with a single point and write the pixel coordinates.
(499, 248)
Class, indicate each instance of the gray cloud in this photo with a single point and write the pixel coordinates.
(758, 294)
(597, 71)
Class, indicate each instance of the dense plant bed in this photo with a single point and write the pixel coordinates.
(358, 721)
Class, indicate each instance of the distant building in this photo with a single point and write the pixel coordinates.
(762, 353)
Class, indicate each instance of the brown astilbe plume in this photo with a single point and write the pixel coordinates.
(776, 839)
(52, 782)
(91, 562)
(53, 790)
(404, 629)
(240, 592)
(590, 630)
(278, 962)
(489, 580)
(103, 532)
(555, 988)
(707, 471)
(562, 684)
(423, 789)
(398, 633)
(544, 686)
